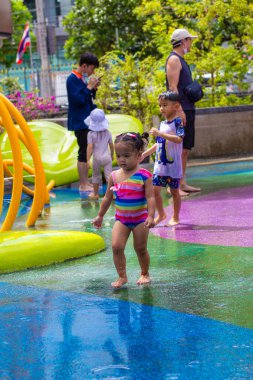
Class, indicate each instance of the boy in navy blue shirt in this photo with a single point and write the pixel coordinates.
(80, 99)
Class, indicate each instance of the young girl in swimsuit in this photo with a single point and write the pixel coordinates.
(135, 206)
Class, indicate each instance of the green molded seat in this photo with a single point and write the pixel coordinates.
(28, 249)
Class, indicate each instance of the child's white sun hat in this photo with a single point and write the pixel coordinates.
(97, 121)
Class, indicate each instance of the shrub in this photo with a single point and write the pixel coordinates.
(131, 85)
(10, 85)
(32, 106)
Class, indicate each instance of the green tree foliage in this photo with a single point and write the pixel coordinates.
(134, 74)
(130, 84)
(20, 15)
(103, 25)
(223, 49)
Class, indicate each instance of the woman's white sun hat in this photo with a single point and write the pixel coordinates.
(97, 121)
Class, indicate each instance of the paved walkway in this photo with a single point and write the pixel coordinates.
(195, 320)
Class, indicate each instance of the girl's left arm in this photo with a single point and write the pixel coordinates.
(149, 193)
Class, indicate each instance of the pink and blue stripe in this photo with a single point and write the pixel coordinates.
(131, 203)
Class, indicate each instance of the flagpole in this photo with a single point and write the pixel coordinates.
(31, 64)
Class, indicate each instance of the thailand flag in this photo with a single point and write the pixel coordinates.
(25, 41)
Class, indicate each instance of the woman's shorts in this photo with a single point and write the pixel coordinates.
(189, 137)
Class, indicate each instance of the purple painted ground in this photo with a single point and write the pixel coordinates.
(221, 218)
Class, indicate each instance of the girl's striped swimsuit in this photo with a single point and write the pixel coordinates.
(131, 203)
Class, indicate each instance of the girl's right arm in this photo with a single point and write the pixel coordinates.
(107, 200)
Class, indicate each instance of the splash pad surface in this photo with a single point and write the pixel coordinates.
(195, 319)
(223, 218)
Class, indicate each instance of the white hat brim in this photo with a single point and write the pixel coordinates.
(96, 127)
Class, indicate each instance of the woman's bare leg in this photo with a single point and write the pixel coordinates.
(183, 185)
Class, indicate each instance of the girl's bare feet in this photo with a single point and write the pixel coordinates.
(87, 187)
(173, 222)
(144, 279)
(120, 282)
(93, 196)
(159, 219)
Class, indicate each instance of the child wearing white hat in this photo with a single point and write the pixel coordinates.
(99, 143)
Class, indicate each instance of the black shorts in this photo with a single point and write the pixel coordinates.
(189, 138)
(81, 136)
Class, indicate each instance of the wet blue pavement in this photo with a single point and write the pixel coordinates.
(194, 322)
(48, 334)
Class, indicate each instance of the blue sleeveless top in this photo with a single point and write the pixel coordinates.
(185, 78)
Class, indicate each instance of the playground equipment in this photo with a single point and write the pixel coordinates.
(25, 249)
(16, 132)
(58, 147)
(39, 248)
(47, 152)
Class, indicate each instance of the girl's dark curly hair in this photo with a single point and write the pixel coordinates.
(133, 138)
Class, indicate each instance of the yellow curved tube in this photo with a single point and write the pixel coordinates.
(26, 167)
(40, 190)
(1, 183)
(50, 185)
(29, 170)
(17, 168)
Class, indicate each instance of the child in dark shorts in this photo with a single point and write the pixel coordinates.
(168, 162)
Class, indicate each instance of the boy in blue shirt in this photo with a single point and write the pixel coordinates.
(80, 99)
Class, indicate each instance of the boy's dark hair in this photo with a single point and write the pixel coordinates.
(170, 95)
(132, 138)
(89, 59)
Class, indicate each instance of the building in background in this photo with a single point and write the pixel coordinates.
(54, 11)
(6, 21)
(58, 66)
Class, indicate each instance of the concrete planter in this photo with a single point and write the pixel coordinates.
(223, 131)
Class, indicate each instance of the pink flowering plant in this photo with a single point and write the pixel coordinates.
(33, 106)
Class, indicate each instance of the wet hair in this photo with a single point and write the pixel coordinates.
(134, 139)
(89, 59)
(169, 95)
